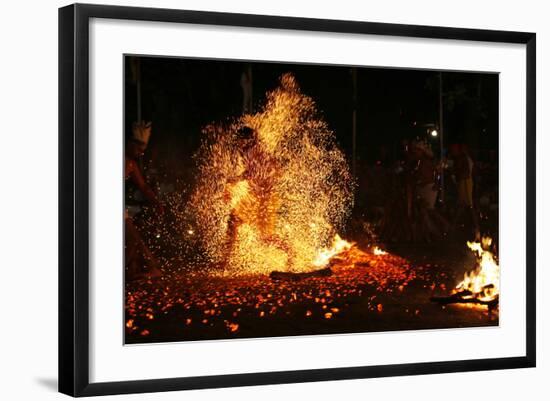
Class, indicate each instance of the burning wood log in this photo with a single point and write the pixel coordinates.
(467, 297)
(460, 299)
(290, 276)
(481, 285)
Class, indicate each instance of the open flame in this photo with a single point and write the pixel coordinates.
(482, 282)
(379, 252)
(338, 246)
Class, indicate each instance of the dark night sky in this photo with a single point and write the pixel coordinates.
(182, 95)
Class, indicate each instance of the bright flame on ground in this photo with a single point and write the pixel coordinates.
(379, 252)
(273, 202)
(339, 245)
(482, 282)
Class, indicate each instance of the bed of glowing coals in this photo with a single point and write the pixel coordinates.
(350, 290)
(218, 298)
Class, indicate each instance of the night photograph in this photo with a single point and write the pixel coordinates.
(269, 199)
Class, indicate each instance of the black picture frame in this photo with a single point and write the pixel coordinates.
(74, 198)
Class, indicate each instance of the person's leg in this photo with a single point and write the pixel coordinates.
(462, 202)
(140, 261)
(425, 204)
(279, 243)
(468, 191)
(268, 204)
(230, 239)
(473, 210)
(131, 260)
(440, 221)
(151, 262)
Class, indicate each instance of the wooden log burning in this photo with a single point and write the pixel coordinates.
(290, 276)
(467, 297)
(460, 299)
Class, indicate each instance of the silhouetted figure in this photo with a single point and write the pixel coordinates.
(462, 175)
(252, 197)
(139, 260)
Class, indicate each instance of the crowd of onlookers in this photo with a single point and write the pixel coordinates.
(423, 197)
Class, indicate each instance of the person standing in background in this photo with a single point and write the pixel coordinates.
(463, 167)
(139, 261)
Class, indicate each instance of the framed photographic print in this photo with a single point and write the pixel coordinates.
(250, 199)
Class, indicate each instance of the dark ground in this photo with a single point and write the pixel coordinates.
(379, 293)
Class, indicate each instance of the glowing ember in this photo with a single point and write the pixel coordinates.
(482, 282)
(232, 327)
(272, 201)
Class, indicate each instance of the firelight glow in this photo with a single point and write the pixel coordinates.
(289, 203)
(483, 282)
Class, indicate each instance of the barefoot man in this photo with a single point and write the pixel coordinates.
(252, 196)
(140, 262)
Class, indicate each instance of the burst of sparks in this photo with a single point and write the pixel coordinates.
(308, 195)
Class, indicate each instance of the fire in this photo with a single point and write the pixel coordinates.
(379, 252)
(275, 201)
(339, 245)
(483, 282)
